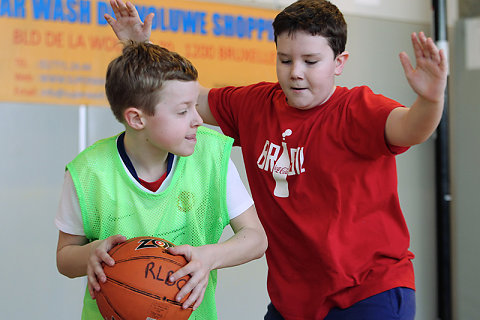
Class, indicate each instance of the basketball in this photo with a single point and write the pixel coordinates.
(137, 286)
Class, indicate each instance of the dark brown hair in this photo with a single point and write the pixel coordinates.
(135, 77)
(316, 17)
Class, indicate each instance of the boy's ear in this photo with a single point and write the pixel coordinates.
(134, 118)
(340, 62)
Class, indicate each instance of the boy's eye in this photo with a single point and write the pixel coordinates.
(285, 61)
(311, 61)
(181, 112)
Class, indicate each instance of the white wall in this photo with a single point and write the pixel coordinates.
(465, 151)
(419, 11)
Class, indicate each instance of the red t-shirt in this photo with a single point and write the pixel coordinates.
(325, 187)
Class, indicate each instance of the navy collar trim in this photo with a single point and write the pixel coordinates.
(128, 163)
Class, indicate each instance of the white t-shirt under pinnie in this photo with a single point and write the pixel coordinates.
(69, 216)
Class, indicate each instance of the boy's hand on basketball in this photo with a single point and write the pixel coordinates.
(198, 267)
(98, 255)
(128, 25)
(429, 78)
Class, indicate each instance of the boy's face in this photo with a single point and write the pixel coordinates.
(174, 125)
(306, 68)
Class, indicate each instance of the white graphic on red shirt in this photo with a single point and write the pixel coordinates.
(281, 165)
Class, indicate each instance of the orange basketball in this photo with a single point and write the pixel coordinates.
(137, 286)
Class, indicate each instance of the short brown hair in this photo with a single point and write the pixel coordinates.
(135, 77)
(317, 17)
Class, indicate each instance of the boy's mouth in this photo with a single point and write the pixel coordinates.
(297, 89)
(191, 137)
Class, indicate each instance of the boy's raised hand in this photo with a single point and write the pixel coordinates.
(428, 79)
(128, 25)
(98, 255)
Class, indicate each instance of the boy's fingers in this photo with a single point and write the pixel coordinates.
(109, 19)
(147, 24)
(199, 300)
(180, 273)
(422, 39)
(186, 289)
(188, 268)
(443, 60)
(97, 274)
(184, 250)
(190, 285)
(92, 281)
(437, 54)
(417, 49)
(91, 291)
(406, 63)
(105, 257)
(431, 49)
(191, 299)
(115, 9)
(130, 8)
(118, 239)
(196, 297)
(122, 8)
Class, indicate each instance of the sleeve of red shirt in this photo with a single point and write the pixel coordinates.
(223, 105)
(368, 113)
(234, 108)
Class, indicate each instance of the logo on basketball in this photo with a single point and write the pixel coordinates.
(146, 243)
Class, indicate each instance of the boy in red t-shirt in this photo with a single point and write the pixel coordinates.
(321, 166)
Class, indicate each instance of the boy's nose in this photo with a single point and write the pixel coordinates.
(296, 71)
(197, 119)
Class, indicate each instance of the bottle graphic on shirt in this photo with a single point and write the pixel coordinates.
(281, 169)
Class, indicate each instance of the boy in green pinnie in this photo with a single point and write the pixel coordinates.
(166, 176)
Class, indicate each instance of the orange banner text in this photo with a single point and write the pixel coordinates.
(57, 51)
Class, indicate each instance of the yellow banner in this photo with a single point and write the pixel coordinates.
(57, 51)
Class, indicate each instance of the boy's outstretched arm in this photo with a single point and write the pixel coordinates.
(414, 125)
(129, 26)
(248, 243)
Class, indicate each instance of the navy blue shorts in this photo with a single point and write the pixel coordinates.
(394, 304)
